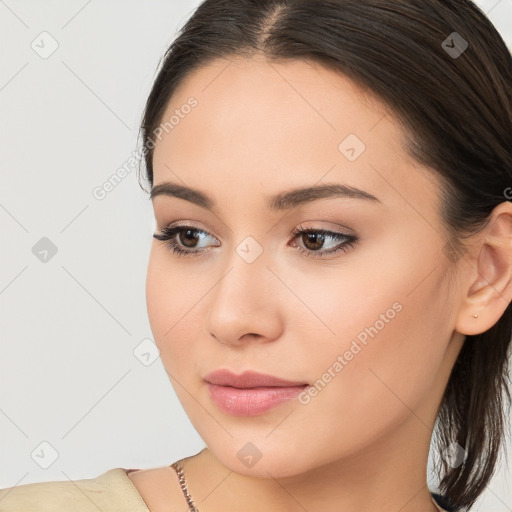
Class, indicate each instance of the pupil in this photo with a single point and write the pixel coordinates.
(187, 234)
(318, 238)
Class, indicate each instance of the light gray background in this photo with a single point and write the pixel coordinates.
(69, 326)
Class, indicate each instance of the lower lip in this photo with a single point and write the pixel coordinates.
(251, 401)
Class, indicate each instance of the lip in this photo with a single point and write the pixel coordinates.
(248, 379)
(251, 401)
(250, 393)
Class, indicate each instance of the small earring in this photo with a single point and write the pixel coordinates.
(475, 316)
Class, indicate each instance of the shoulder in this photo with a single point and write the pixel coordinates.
(112, 491)
(159, 487)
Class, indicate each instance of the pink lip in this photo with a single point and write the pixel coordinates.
(248, 379)
(250, 393)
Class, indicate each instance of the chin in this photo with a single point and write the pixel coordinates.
(263, 459)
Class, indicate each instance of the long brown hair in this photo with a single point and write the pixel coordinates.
(445, 72)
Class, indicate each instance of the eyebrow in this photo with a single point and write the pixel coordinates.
(279, 202)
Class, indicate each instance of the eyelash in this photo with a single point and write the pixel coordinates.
(168, 234)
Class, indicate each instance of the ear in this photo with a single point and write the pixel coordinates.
(488, 290)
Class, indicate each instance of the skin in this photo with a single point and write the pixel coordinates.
(362, 443)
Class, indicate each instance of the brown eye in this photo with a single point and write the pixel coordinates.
(315, 239)
(187, 238)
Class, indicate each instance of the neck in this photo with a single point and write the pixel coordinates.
(388, 475)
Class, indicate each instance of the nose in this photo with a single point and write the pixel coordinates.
(246, 304)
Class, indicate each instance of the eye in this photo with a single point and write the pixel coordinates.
(182, 240)
(314, 238)
(187, 236)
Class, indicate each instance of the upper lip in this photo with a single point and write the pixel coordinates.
(248, 379)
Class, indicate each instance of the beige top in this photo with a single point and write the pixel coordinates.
(112, 491)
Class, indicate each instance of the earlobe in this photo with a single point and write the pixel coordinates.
(488, 291)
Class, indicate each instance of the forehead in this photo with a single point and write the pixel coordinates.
(253, 100)
(269, 126)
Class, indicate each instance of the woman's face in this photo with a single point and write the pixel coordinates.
(370, 327)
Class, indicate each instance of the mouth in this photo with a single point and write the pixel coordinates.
(250, 393)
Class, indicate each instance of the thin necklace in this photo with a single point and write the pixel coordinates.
(183, 484)
(191, 506)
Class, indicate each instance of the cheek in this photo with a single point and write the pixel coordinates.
(158, 294)
(164, 299)
(173, 300)
(382, 365)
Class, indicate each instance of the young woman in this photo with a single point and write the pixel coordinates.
(331, 276)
